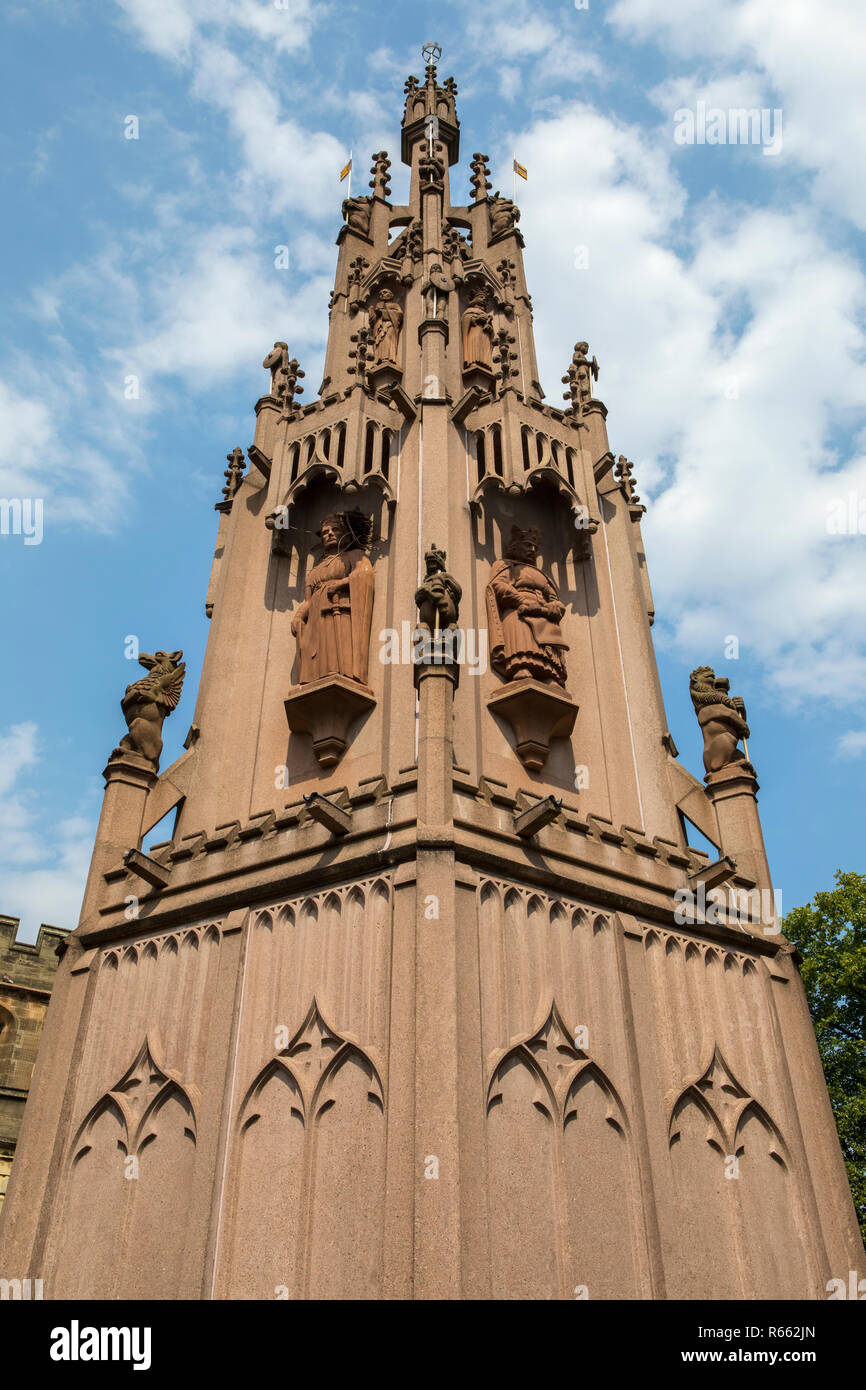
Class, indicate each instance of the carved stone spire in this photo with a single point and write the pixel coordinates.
(480, 180)
(503, 355)
(233, 475)
(624, 471)
(380, 180)
(579, 379)
(431, 110)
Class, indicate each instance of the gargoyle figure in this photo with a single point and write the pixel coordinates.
(504, 216)
(722, 718)
(438, 596)
(524, 614)
(357, 211)
(148, 701)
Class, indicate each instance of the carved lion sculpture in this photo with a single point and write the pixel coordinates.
(148, 701)
(723, 728)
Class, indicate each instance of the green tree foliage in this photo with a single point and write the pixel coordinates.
(831, 936)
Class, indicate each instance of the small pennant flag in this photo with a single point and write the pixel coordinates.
(519, 169)
(347, 170)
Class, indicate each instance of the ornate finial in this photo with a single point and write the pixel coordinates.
(431, 53)
(361, 354)
(480, 180)
(579, 378)
(234, 473)
(624, 471)
(290, 389)
(503, 343)
(454, 246)
(381, 180)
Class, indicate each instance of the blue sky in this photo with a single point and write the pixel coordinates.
(724, 298)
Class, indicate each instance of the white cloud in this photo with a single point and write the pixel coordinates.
(219, 308)
(757, 304)
(45, 454)
(812, 56)
(852, 744)
(170, 28)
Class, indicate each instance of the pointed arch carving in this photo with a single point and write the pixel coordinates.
(563, 1182)
(550, 1055)
(311, 1059)
(135, 1101)
(308, 1169)
(148, 1111)
(726, 1105)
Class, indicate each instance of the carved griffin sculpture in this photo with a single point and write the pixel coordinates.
(148, 701)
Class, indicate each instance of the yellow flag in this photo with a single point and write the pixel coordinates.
(519, 169)
(346, 171)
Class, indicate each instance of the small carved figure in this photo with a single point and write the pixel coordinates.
(476, 329)
(332, 624)
(356, 211)
(285, 374)
(504, 216)
(148, 701)
(438, 596)
(722, 719)
(277, 360)
(431, 172)
(524, 614)
(435, 288)
(386, 320)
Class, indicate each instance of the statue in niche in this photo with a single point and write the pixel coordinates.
(524, 615)
(504, 216)
(722, 718)
(438, 596)
(476, 328)
(332, 624)
(356, 211)
(148, 701)
(386, 320)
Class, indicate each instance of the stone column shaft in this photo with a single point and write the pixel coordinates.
(437, 1175)
(128, 782)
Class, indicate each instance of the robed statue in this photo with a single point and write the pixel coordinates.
(524, 615)
(332, 624)
(386, 320)
(476, 328)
